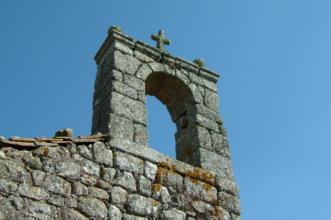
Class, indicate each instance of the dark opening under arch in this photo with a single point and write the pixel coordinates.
(178, 99)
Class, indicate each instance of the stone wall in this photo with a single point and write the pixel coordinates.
(128, 70)
(101, 178)
(113, 174)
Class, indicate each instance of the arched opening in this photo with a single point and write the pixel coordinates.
(161, 129)
(178, 99)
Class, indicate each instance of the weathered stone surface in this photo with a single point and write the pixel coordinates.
(133, 217)
(3, 156)
(118, 195)
(161, 193)
(140, 134)
(129, 108)
(89, 180)
(91, 168)
(211, 100)
(173, 214)
(7, 186)
(142, 57)
(56, 200)
(102, 155)
(8, 211)
(126, 180)
(207, 123)
(85, 152)
(38, 177)
(150, 170)
(203, 208)
(124, 90)
(56, 185)
(52, 152)
(220, 144)
(216, 163)
(128, 163)
(116, 75)
(71, 214)
(134, 82)
(221, 213)
(123, 48)
(67, 132)
(16, 202)
(79, 189)
(114, 213)
(169, 178)
(68, 169)
(114, 175)
(31, 161)
(200, 190)
(33, 192)
(143, 72)
(203, 137)
(98, 193)
(93, 208)
(125, 63)
(144, 186)
(71, 202)
(141, 205)
(39, 210)
(229, 202)
(108, 174)
(14, 170)
(196, 93)
(227, 185)
(121, 127)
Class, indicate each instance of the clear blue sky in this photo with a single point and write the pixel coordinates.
(274, 57)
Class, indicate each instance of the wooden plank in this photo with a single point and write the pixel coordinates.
(22, 139)
(43, 139)
(17, 144)
(97, 136)
(82, 141)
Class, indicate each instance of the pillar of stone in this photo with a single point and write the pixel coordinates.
(128, 70)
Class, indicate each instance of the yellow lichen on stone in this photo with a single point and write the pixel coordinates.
(201, 174)
(156, 187)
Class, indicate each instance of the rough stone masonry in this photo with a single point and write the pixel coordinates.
(113, 174)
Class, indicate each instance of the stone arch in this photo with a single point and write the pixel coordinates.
(172, 92)
(179, 100)
(128, 70)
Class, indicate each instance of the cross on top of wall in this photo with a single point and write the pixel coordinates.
(161, 40)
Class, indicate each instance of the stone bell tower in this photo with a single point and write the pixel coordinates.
(128, 70)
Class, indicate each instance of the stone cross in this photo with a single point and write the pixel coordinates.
(160, 40)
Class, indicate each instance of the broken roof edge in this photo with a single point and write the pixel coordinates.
(27, 143)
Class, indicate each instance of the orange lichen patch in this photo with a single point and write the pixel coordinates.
(219, 211)
(195, 181)
(156, 187)
(206, 186)
(155, 203)
(167, 165)
(201, 174)
(45, 151)
(160, 174)
(164, 169)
